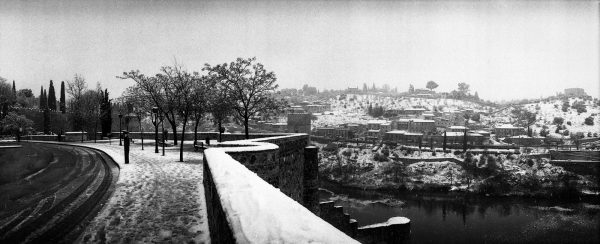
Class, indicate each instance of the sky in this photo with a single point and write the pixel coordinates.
(503, 49)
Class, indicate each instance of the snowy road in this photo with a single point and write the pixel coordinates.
(157, 199)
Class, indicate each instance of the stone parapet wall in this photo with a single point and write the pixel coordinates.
(243, 208)
(280, 161)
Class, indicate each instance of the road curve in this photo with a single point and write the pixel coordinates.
(60, 213)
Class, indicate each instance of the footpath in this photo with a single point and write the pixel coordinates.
(157, 198)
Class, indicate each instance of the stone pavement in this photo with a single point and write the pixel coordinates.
(157, 198)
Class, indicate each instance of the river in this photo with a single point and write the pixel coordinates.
(453, 218)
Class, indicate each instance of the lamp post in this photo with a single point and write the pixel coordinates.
(155, 122)
(120, 141)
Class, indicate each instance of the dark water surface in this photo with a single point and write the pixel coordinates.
(450, 218)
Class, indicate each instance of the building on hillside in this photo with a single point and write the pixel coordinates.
(524, 140)
(412, 111)
(575, 92)
(457, 128)
(298, 123)
(295, 110)
(442, 122)
(352, 90)
(416, 125)
(507, 130)
(375, 124)
(455, 117)
(428, 116)
(334, 132)
(402, 137)
(355, 128)
(315, 108)
(423, 91)
(372, 135)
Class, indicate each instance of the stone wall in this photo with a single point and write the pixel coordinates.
(579, 162)
(242, 208)
(280, 161)
(220, 232)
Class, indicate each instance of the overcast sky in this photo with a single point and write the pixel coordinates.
(504, 50)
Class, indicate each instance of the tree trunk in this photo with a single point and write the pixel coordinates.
(246, 127)
(156, 136)
(141, 133)
(196, 131)
(181, 142)
(174, 127)
(220, 124)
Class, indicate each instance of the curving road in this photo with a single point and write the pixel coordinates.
(72, 190)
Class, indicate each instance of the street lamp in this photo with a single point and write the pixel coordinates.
(120, 141)
(155, 122)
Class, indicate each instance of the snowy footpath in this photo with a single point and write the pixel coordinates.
(157, 199)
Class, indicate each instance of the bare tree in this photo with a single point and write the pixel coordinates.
(159, 91)
(251, 88)
(187, 90)
(219, 99)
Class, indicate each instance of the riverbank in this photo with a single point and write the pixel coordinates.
(462, 217)
(385, 169)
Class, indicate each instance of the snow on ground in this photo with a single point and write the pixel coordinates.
(548, 112)
(444, 172)
(353, 108)
(157, 199)
(260, 213)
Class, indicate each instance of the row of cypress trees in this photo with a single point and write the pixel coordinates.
(48, 99)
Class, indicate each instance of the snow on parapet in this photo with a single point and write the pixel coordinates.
(253, 145)
(390, 221)
(259, 213)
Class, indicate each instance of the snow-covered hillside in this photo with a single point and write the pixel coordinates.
(549, 110)
(352, 108)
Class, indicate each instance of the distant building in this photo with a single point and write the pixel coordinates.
(575, 92)
(412, 111)
(442, 122)
(298, 123)
(352, 90)
(457, 128)
(508, 130)
(334, 132)
(452, 138)
(375, 124)
(416, 125)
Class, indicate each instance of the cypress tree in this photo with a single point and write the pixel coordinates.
(51, 97)
(62, 98)
(14, 90)
(42, 98)
(106, 113)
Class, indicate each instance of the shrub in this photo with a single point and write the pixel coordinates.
(558, 120)
(589, 121)
(569, 123)
(379, 157)
(566, 132)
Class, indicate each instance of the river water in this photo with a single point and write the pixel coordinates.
(452, 218)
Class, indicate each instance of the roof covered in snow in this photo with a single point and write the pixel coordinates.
(508, 126)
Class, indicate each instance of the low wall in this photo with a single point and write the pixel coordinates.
(579, 162)
(243, 208)
(575, 155)
(282, 162)
(189, 135)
